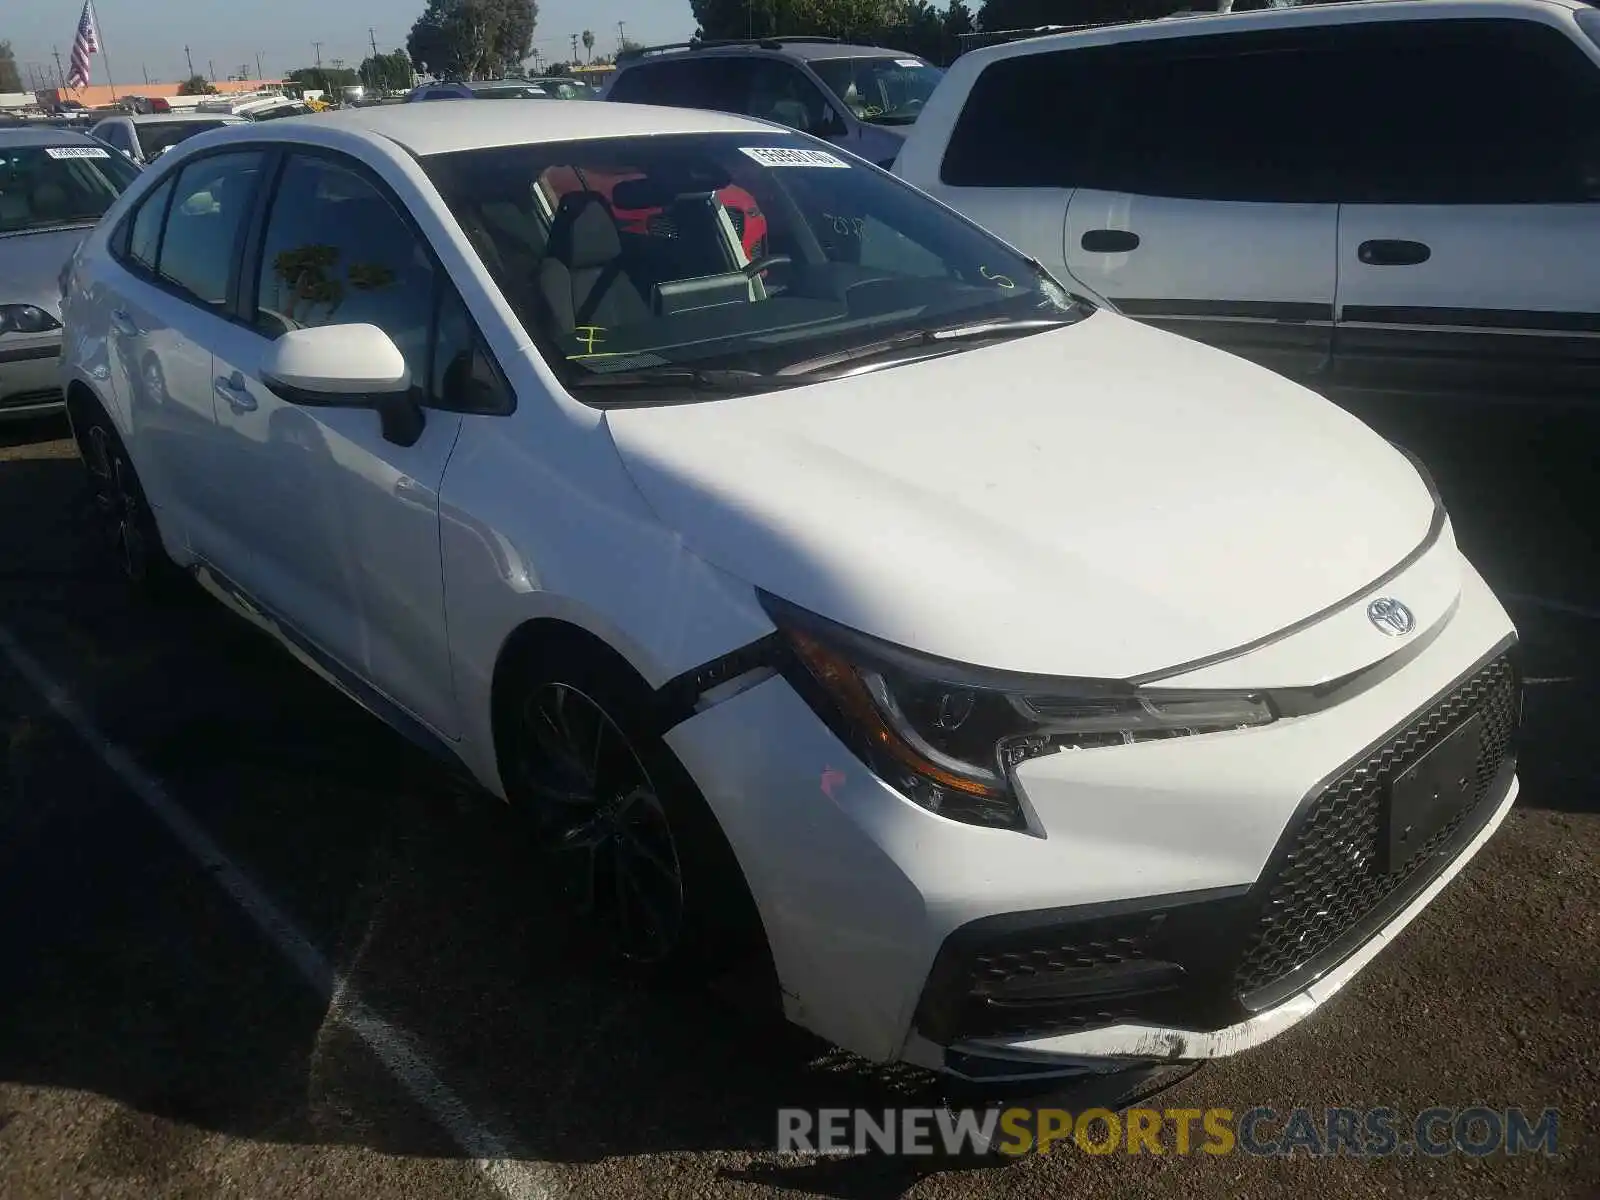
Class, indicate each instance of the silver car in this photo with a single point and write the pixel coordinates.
(54, 185)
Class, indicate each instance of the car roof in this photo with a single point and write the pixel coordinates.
(1186, 24)
(773, 48)
(425, 129)
(166, 118)
(50, 135)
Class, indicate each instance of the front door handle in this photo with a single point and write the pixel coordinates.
(1393, 252)
(122, 321)
(1109, 241)
(233, 390)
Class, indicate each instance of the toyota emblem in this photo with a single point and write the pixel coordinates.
(1391, 617)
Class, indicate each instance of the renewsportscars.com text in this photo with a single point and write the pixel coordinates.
(1317, 1133)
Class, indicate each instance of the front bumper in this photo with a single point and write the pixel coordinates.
(1188, 852)
(30, 384)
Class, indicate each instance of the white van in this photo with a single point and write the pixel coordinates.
(1384, 193)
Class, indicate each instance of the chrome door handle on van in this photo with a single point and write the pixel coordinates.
(1392, 252)
(233, 390)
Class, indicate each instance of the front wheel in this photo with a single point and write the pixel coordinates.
(631, 842)
(121, 514)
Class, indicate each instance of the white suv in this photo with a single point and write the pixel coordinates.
(1392, 194)
(1035, 691)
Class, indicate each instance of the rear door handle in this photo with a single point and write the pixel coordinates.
(122, 321)
(1109, 241)
(1393, 252)
(233, 390)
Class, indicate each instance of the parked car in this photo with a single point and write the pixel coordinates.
(54, 184)
(145, 137)
(862, 98)
(1404, 244)
(492, 89)
(1031, 690)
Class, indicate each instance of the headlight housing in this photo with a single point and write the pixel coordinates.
(26, 318)
(949, 736)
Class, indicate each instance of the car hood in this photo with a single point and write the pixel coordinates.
(31, 262)
(1104, 500)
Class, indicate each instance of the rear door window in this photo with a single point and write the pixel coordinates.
(1466, 112)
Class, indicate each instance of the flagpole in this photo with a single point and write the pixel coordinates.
(101, 30)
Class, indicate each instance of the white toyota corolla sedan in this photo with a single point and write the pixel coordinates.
(1038, 693)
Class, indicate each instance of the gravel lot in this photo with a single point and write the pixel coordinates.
(154, 1042)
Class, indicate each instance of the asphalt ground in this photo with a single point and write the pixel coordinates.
(270, 950)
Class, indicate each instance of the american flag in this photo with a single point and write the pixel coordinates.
(86, 43)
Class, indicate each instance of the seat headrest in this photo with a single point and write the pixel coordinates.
(583, 233)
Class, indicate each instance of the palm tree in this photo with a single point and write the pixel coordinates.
(588, 44)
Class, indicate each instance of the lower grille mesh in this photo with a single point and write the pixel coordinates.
(1331, 878)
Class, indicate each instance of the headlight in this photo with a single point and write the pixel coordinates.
(949, 736)
(25, 318)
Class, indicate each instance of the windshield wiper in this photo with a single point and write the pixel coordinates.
(686, 378)
(1003, 327)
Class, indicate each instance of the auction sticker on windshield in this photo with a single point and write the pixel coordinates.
(76, 152)
(777, 156)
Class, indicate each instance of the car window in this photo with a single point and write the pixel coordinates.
(644, 265)
(778, 91)
(1533, 142)
(464, 378)
(114, 133)
(210, 205)
(337, 252)
(880, 89)
(157, 136)
(718, 81)
(1239, 146)
(59, 185)
(144, 237)
(1016, 128)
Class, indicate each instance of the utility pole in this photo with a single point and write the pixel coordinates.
(60, 74)
(190, 59)
(574, 49)
(622, 38)
(146, 71)
(260, 71)
(212, 64)
(317, 46)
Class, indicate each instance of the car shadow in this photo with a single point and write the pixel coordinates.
(136, 978)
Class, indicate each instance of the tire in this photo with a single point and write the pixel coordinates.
(632, 843)
(122, 516)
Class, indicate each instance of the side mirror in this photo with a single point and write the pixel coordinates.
(346, 366)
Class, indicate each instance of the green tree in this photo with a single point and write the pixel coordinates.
(996, 15)
(471, 39)
(588, 44)
(390, 71)
(10, 77)
(196, 85)
(323, 79)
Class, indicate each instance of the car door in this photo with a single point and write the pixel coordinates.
(1469, 247)
(342, 525)
(177, 254)
(1201, 202)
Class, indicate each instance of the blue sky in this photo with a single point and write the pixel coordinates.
(142, 35)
